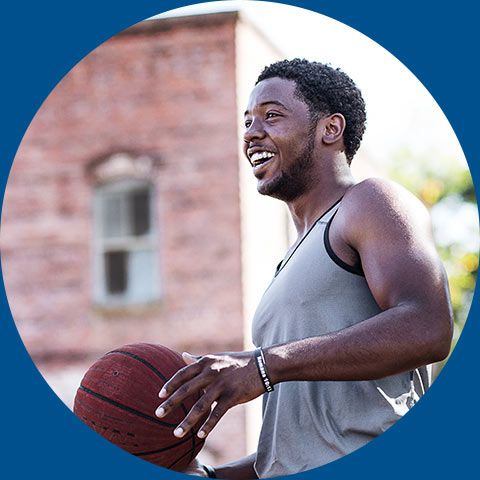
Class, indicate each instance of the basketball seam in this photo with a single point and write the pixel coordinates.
(127, 409)
(140, 359)
(149, 365)
(160, 450)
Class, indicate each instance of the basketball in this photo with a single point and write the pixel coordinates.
(118, 397)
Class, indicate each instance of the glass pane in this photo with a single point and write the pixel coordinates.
(141, 270)
(140, 212)
(116, 272)
(113, 215)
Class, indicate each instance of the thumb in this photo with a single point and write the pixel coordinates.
(188, 358)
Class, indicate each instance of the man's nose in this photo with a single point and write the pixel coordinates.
(254, 131)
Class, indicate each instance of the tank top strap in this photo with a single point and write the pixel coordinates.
(323, 220)
(330, 213)
(326, 220)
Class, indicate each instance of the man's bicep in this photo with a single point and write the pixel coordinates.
(394, 241)
(400, 271)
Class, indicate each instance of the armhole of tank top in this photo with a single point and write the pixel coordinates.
(333, 255)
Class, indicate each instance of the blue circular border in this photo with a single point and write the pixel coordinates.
(41, 43)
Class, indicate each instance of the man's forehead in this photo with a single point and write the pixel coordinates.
(272, 90)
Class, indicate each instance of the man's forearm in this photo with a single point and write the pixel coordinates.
(238, 470)
(399, 339)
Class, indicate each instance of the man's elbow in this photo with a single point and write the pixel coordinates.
(441, 337)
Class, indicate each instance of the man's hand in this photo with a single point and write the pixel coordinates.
(195, 468)
(227, 379)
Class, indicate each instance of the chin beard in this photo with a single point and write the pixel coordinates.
(292, 183)
(284, 187)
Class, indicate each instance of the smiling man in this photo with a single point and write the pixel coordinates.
(356, 310)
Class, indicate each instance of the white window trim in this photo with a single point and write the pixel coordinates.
(147, 242)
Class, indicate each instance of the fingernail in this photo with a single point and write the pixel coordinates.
(163, 393)
(178, 432)
(201, 434)
(160, 412)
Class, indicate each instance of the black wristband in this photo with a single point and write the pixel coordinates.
(210, 471)
(262, 370)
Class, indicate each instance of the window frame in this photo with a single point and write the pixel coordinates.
(129, 243)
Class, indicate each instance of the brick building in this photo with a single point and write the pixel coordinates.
(130, 214)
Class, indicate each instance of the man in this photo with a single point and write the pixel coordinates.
(356, 309)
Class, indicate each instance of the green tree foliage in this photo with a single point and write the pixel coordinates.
(445, 187)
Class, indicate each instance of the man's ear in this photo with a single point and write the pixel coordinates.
(333, 128)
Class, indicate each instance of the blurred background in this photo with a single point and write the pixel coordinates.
(131, 215)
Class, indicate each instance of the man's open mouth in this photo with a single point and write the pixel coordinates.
(258, 158)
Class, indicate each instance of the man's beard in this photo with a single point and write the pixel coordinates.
(292, 183)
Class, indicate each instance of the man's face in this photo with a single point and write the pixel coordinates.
(279, 139)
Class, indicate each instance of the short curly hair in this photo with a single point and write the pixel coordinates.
(325, 90)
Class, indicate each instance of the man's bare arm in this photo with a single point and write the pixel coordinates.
(390, 230)
(391, 233)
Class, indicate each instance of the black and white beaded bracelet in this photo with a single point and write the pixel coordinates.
(262, 370)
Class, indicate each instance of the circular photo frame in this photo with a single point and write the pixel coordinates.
(120, 117)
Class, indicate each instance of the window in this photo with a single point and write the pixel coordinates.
(125, 265)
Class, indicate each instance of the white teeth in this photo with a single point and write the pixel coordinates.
(257, 156)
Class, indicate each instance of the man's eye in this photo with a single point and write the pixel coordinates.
(247, 123)
(272, 115)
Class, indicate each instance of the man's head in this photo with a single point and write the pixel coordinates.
(280, 139)
(326, 91)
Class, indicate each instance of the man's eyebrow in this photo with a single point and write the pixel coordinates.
(269, 102)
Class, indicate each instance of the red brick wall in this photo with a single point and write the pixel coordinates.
(167, 90)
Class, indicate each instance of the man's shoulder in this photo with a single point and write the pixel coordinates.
(379, 201)
(379, 193)
(375, 188)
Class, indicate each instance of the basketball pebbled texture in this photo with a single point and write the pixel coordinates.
(118, 397)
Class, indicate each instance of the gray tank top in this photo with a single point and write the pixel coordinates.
(308, 424)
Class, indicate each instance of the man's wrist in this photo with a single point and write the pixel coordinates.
(262, 370)
(210, 471)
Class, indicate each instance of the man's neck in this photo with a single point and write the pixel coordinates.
(322, 195)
